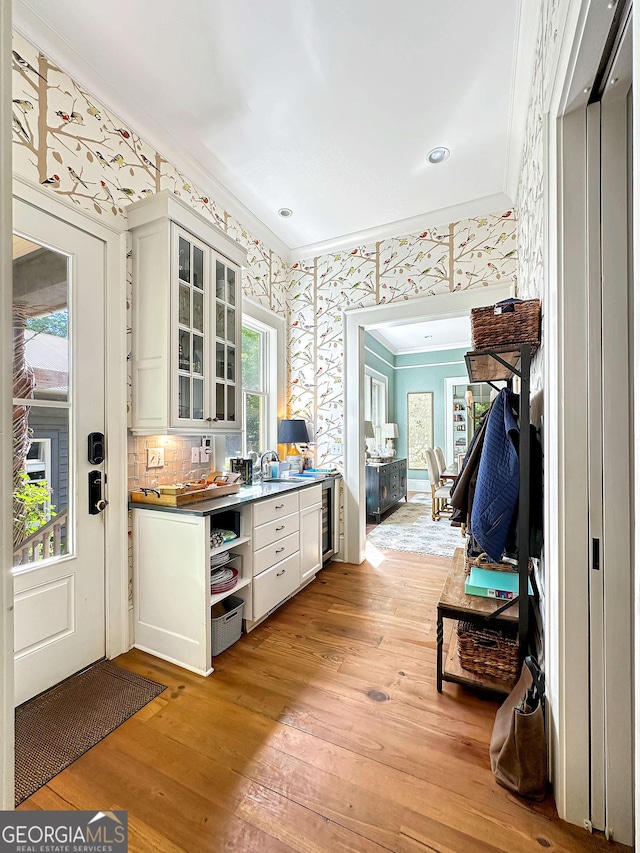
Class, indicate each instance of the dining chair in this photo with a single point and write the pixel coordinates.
(442, 466)
(440, 507)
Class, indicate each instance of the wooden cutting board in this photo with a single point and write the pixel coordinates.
(189, 497)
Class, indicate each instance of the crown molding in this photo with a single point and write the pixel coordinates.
(466, 345)
(456, 213)
(54, 45)
(377, 335)
(524, 48)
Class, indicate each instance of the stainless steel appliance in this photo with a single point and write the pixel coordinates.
(330, 516)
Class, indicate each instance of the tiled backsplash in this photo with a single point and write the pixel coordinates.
(178, 467)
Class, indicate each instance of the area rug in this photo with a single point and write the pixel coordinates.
(411, 528)
(59, 726)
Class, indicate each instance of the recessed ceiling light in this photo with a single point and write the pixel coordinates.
(438, 155)
(285, 212)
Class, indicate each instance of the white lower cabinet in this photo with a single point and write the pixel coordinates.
(172, 583)
(287, 547)
(276, 584)
(277, 550)
(310, 532)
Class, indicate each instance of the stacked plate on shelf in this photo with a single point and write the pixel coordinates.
(218, 560)
(223, 580)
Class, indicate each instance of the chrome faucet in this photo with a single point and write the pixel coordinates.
(266, 459)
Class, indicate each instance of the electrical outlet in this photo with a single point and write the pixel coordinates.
(336, 448)
(155, 457)
(204, 454)
(195, 455)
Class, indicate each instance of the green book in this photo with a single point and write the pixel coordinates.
(492, 584)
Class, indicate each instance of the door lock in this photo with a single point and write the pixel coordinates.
(97, 503)
(96, 448)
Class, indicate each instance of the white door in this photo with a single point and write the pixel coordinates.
(610, 431)
(59, 564)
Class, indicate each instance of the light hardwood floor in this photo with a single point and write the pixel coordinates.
(320, 732)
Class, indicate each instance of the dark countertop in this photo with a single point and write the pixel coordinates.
(246, 495)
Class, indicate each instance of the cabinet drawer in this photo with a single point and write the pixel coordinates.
(274, 553)
(310, 496)
(275, 530)
(276, 584)
(265, 511)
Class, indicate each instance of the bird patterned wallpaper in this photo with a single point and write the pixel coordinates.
(460, 256)
(530, 204)
(67, 141)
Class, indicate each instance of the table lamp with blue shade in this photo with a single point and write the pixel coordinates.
(294, 431)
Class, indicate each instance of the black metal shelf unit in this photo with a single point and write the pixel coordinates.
(503, 364)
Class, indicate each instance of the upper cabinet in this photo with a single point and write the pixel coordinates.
(186, 320)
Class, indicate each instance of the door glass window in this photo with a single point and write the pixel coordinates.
(41, 410)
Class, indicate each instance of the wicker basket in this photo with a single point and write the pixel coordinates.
(486, 651)
(512, 321)
(483, 562)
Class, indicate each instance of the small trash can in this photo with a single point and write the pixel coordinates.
(226, 629)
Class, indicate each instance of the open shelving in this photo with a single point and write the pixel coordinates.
(501, 364)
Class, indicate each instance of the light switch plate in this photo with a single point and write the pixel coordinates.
(155, 457)
(195, 454)
(336, 448)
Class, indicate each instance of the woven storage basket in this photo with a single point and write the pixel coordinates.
(509, 322)
(483, 562)
(486, 651)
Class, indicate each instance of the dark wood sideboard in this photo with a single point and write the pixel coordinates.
(386, 484)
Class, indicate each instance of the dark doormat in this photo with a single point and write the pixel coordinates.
(59, 726)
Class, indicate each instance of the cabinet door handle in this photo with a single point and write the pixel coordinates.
(279, 506)
(280, 573)
(279, 550)
(211, 420)
(278, 529)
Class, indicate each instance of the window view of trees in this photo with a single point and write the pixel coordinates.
(254, 389)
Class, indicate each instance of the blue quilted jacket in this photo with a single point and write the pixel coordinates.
(496, 495)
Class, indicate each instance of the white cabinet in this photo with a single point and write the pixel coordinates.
(276, 584)
(277, 550)
(172, 582)
(186, 320)
(287, 546)
(310, 532)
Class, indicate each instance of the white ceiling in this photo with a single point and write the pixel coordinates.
(432, 335)
(327, 107)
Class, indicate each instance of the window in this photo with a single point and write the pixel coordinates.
(38, 467)
(262, 382)
(255, 387)
(375, 403)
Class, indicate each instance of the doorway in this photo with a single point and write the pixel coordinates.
(356, 322)
(58, 400)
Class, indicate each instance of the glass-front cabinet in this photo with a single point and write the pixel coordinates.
(186, 320)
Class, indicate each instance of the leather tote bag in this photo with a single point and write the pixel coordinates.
(518, 748)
